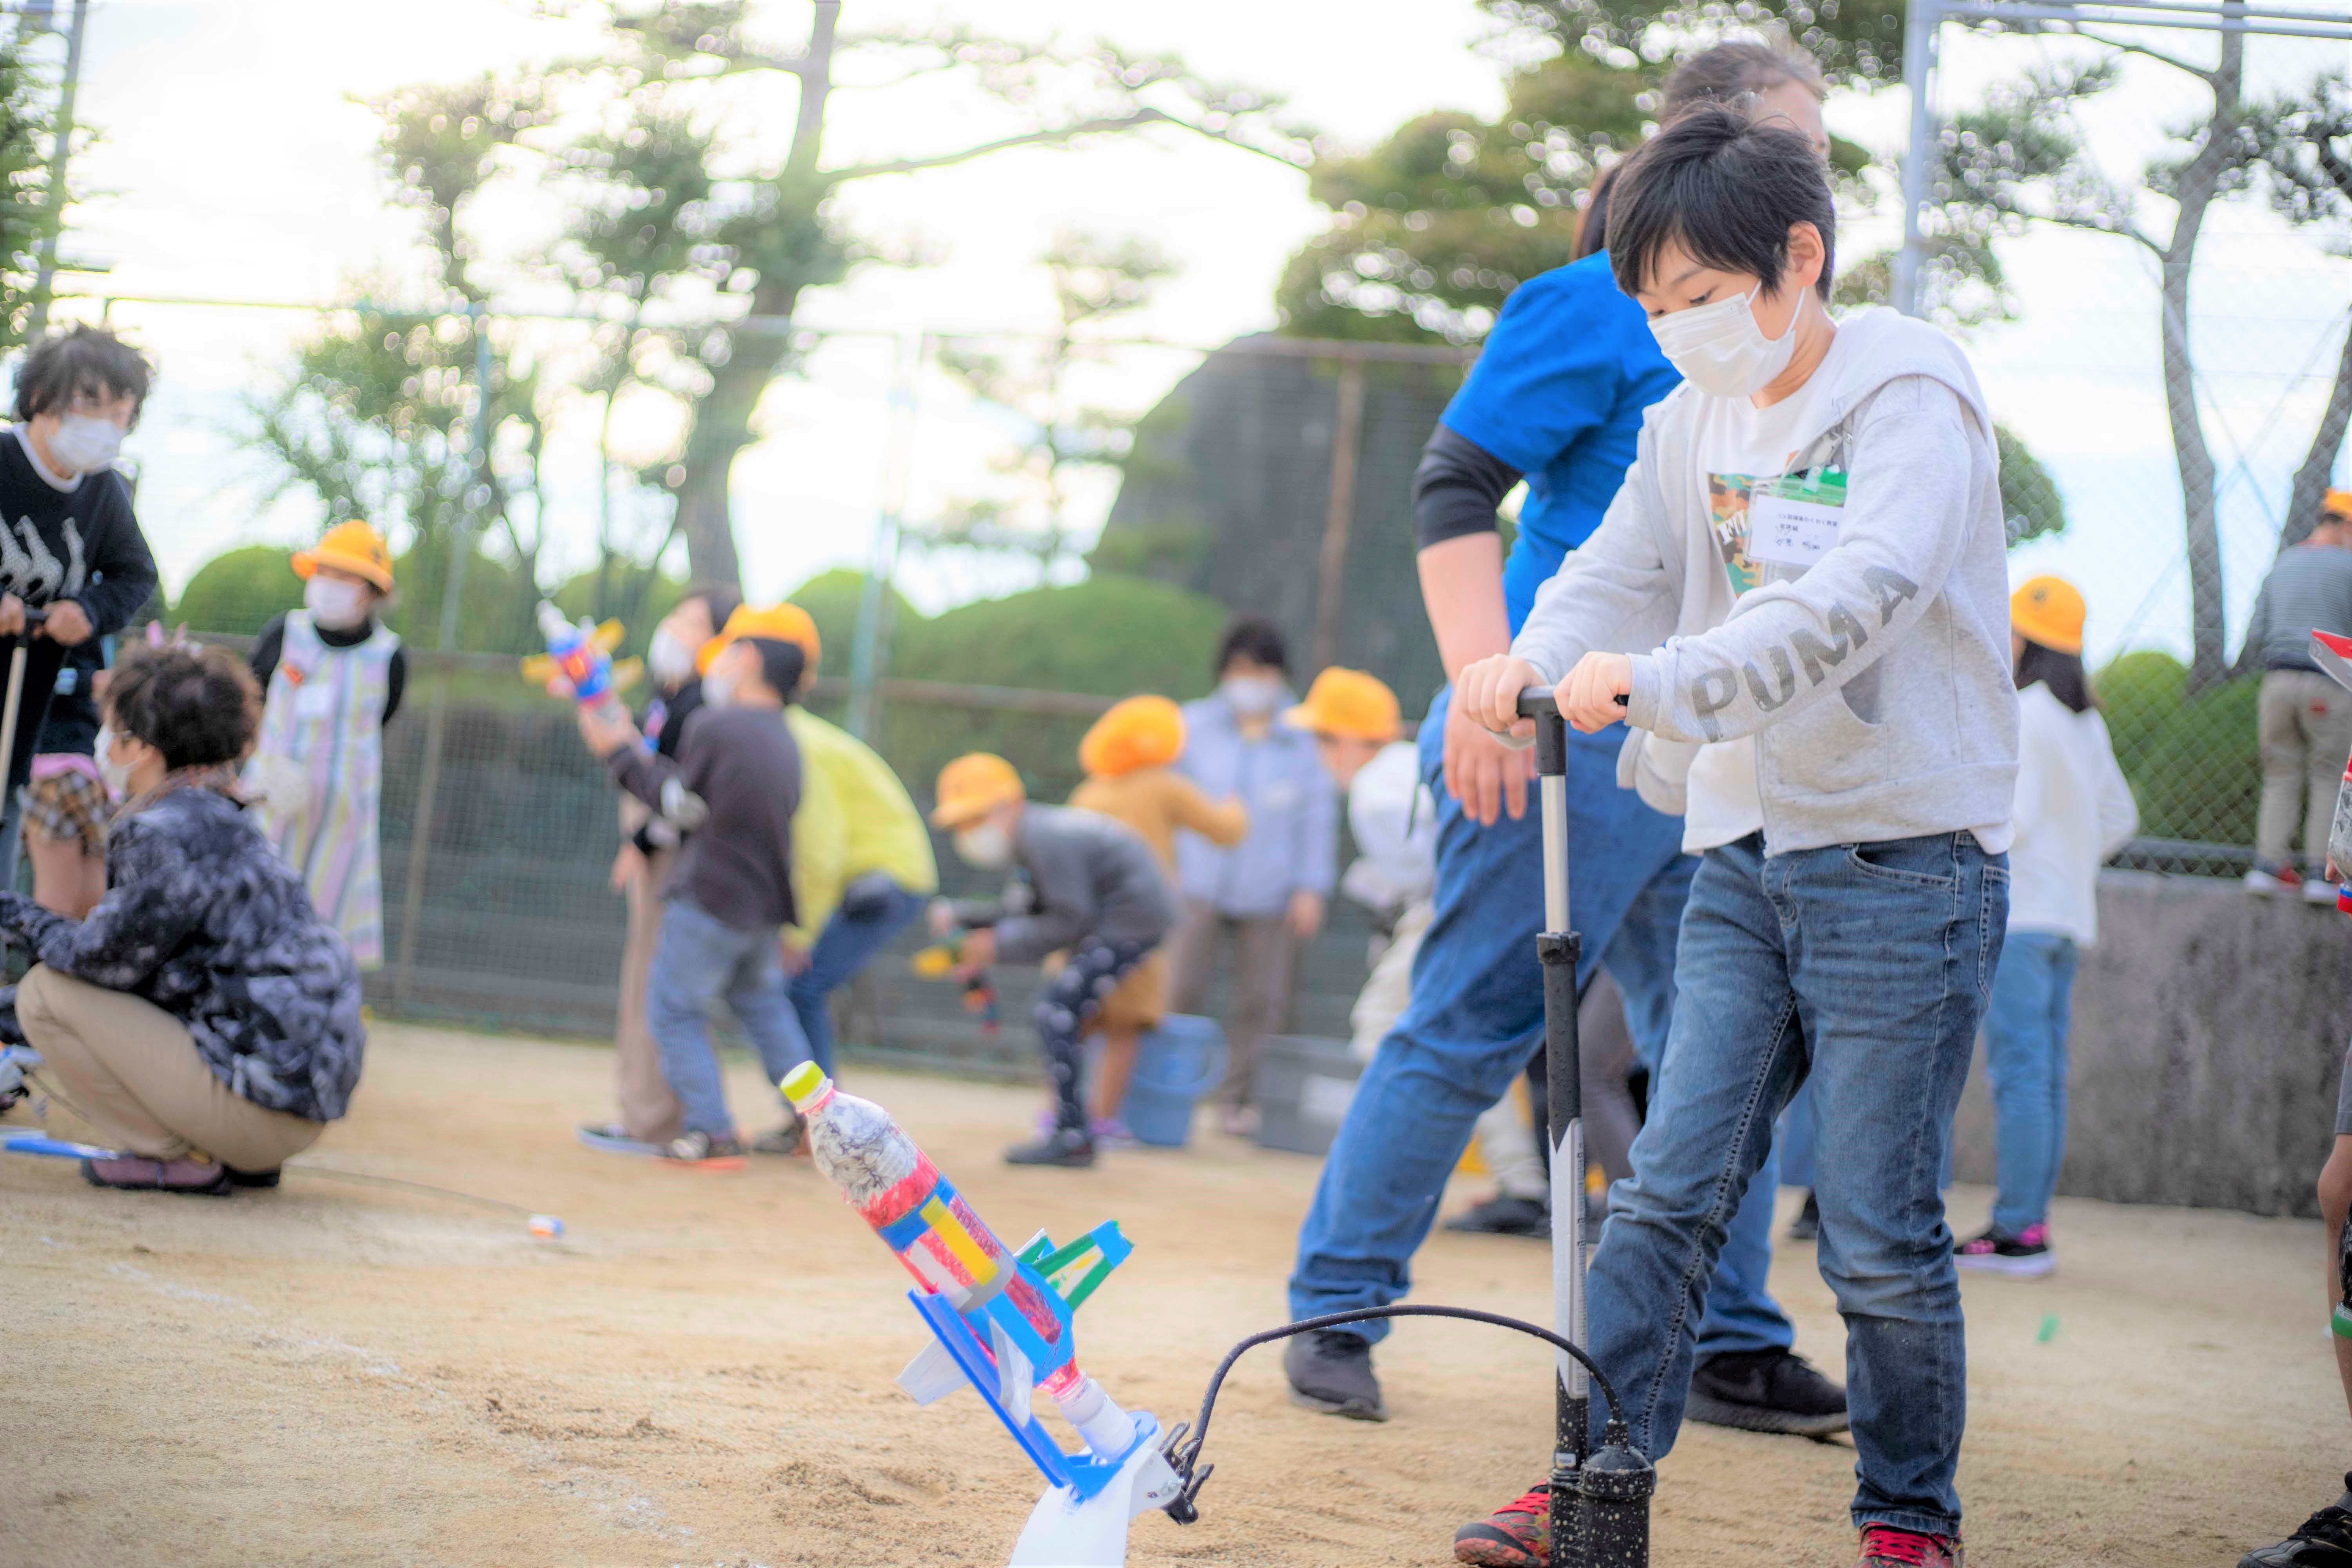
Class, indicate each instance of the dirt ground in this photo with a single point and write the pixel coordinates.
(700, 1373)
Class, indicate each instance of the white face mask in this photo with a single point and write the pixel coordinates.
(718, 690)
(1719, 349)
(671, 661)
(85, 445)
(1253, 695)
(117, 776)
(334, 604)
(985, 845)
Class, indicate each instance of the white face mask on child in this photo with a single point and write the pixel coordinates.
(85, 444)
(985, 845)
(334, 604)
(117, 776)
(1719, 348)
(671, 661)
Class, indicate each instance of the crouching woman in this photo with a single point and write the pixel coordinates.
(202, 1018)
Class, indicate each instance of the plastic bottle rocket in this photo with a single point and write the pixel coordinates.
(1016, 1307)
(582, 654)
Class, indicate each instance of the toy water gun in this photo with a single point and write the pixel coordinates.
(941, 962)
(1000, 1321)
(580, 654)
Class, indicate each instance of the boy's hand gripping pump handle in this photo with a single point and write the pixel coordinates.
(1600, 1503)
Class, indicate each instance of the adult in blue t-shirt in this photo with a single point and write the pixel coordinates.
(1557, 398)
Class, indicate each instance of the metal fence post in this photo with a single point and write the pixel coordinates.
(437, 717)
(871, 652)
(1920, 25)
(1340, 509)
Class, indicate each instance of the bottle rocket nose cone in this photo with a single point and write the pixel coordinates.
(803, 1084)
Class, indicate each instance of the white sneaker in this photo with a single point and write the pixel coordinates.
(2315, 891)
(2282, 883)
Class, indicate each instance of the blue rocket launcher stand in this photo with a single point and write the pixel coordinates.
(1082, 1521)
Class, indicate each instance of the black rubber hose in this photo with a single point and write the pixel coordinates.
(1365, 1314)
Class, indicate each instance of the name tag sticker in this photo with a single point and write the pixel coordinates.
(314, 702)
(1789, 533)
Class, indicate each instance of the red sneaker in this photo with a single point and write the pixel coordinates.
(1884, 1546)
(1516, 1535)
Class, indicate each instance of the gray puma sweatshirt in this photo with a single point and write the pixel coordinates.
(1876, 681)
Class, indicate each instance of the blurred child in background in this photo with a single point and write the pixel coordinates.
(75, 565)
(334, 674)
(648, 1110)
(2074, 810)
(1128, 757)
(730, 891)
(864, 875)
(66, 804)
(1092, 887)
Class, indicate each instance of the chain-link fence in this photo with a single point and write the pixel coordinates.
(1268, 474)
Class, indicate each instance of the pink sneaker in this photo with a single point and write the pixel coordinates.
(1114, 1132)
(2025, 1255)
(1884, 1546)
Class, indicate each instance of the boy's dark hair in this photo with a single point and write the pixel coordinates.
(782, 664)
(721, 599)
(1727, 192)
(1253, 637)
(1728, 72)
(1592, 229)
(2062, 673)
(83, 360)
(196, 705)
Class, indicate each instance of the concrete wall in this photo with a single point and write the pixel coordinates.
(2209, 1034)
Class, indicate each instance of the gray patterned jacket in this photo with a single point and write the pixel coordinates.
(203, 920)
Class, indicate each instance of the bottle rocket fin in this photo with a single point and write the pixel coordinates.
(932, 1375)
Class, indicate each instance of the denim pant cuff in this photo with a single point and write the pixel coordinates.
(1918, 1523)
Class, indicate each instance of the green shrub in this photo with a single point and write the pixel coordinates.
(833, 600)
(239, 590)
(653, 598)
(2194, 763)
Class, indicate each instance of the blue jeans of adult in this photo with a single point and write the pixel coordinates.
(2025, 1067)
(858, 930)
(1796, 1141)
(701, 960)
(1862, 970)
(1476, 1015)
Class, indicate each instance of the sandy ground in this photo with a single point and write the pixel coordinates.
(700, 1373)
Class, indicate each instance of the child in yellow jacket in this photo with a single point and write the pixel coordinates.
(1129, 756)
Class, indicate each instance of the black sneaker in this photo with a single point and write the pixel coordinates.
(2025, 1255)
(1069, 1146)
(2324, 1541)
(1331, 1371)
(704, 1151)
(786, 1140)
(1807, 1225)
(238, 1178)
(1503, 1214)
(1765, 1391)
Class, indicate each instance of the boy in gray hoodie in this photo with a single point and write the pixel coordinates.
(1798, 604)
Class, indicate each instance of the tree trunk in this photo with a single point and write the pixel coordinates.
(722, 420)
(2319, 463)
(722, 428)
(2198, 184)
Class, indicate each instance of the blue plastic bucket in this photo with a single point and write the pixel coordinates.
(1175, 1065)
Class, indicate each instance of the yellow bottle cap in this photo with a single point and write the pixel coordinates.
(803, 1084)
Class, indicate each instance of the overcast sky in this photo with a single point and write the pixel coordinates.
(236, 162)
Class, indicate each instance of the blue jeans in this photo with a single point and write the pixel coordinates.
(1796, 1141)
(1862, 970)
(699, 959)
(846, 946)
(1476, 1015)
(2025, 1065)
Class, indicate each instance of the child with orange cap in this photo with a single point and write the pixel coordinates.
(1093, 889)
(1129, 756)
(333, 674)
(2074, 810)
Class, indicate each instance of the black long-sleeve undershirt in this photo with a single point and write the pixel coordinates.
(1456, 489)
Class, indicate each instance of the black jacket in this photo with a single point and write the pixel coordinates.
(82, 545)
